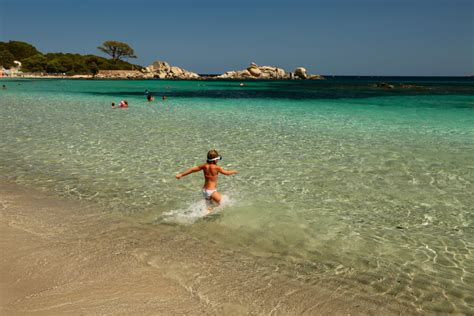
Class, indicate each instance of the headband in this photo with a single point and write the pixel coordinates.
(215, 159)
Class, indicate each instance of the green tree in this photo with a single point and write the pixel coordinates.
(36, 63)
(94, 69)
(6, 59)
(117, 50)
(21, 50)
(55, 66)
(92, 63)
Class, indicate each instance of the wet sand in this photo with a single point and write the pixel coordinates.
(69, 257)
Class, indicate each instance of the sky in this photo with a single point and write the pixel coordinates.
(331, 37)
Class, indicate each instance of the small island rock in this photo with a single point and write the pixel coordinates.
(384, 85)
(300, 72)
(256, 72)
(268, 72)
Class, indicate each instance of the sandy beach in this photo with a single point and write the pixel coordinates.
(55, 261)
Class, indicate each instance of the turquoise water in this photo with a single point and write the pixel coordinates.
(360, 184)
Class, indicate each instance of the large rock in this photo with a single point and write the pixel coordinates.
(255, 72)
(245, 73)
(316, 77)
(176, 71)
(161, 75)
(300, 72)
(162, 70)
(160, 65)
(229, 74)
(280, 73)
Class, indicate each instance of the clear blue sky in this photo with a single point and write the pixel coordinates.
(339, 37)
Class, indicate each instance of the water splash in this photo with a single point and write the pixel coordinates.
(194, 212)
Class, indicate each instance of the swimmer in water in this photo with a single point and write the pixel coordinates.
(211, 171)
(149, 96)
(123, 104)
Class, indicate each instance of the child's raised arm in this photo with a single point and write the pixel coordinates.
(190, 170)
(227, 172)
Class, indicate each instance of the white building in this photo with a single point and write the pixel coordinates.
(12, 72)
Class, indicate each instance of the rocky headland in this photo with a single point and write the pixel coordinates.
(268, 72)
(163, 70)
(157, 70)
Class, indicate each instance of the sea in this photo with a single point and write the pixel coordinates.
(344, 180)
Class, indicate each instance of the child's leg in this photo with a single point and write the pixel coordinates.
(216, 197)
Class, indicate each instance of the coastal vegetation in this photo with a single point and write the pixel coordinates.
(15, 50)
(6, 59)
(117, 50)
(24, 59)
(70, 64)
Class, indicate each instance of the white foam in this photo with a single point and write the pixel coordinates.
(195, 211)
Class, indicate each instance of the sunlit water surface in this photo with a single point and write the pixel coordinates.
(370, 186)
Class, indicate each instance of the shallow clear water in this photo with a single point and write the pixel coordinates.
(370, 186)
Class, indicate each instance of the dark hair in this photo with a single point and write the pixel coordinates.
(211, 154)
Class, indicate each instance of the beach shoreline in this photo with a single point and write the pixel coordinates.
(56, 262)
(52, 268)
